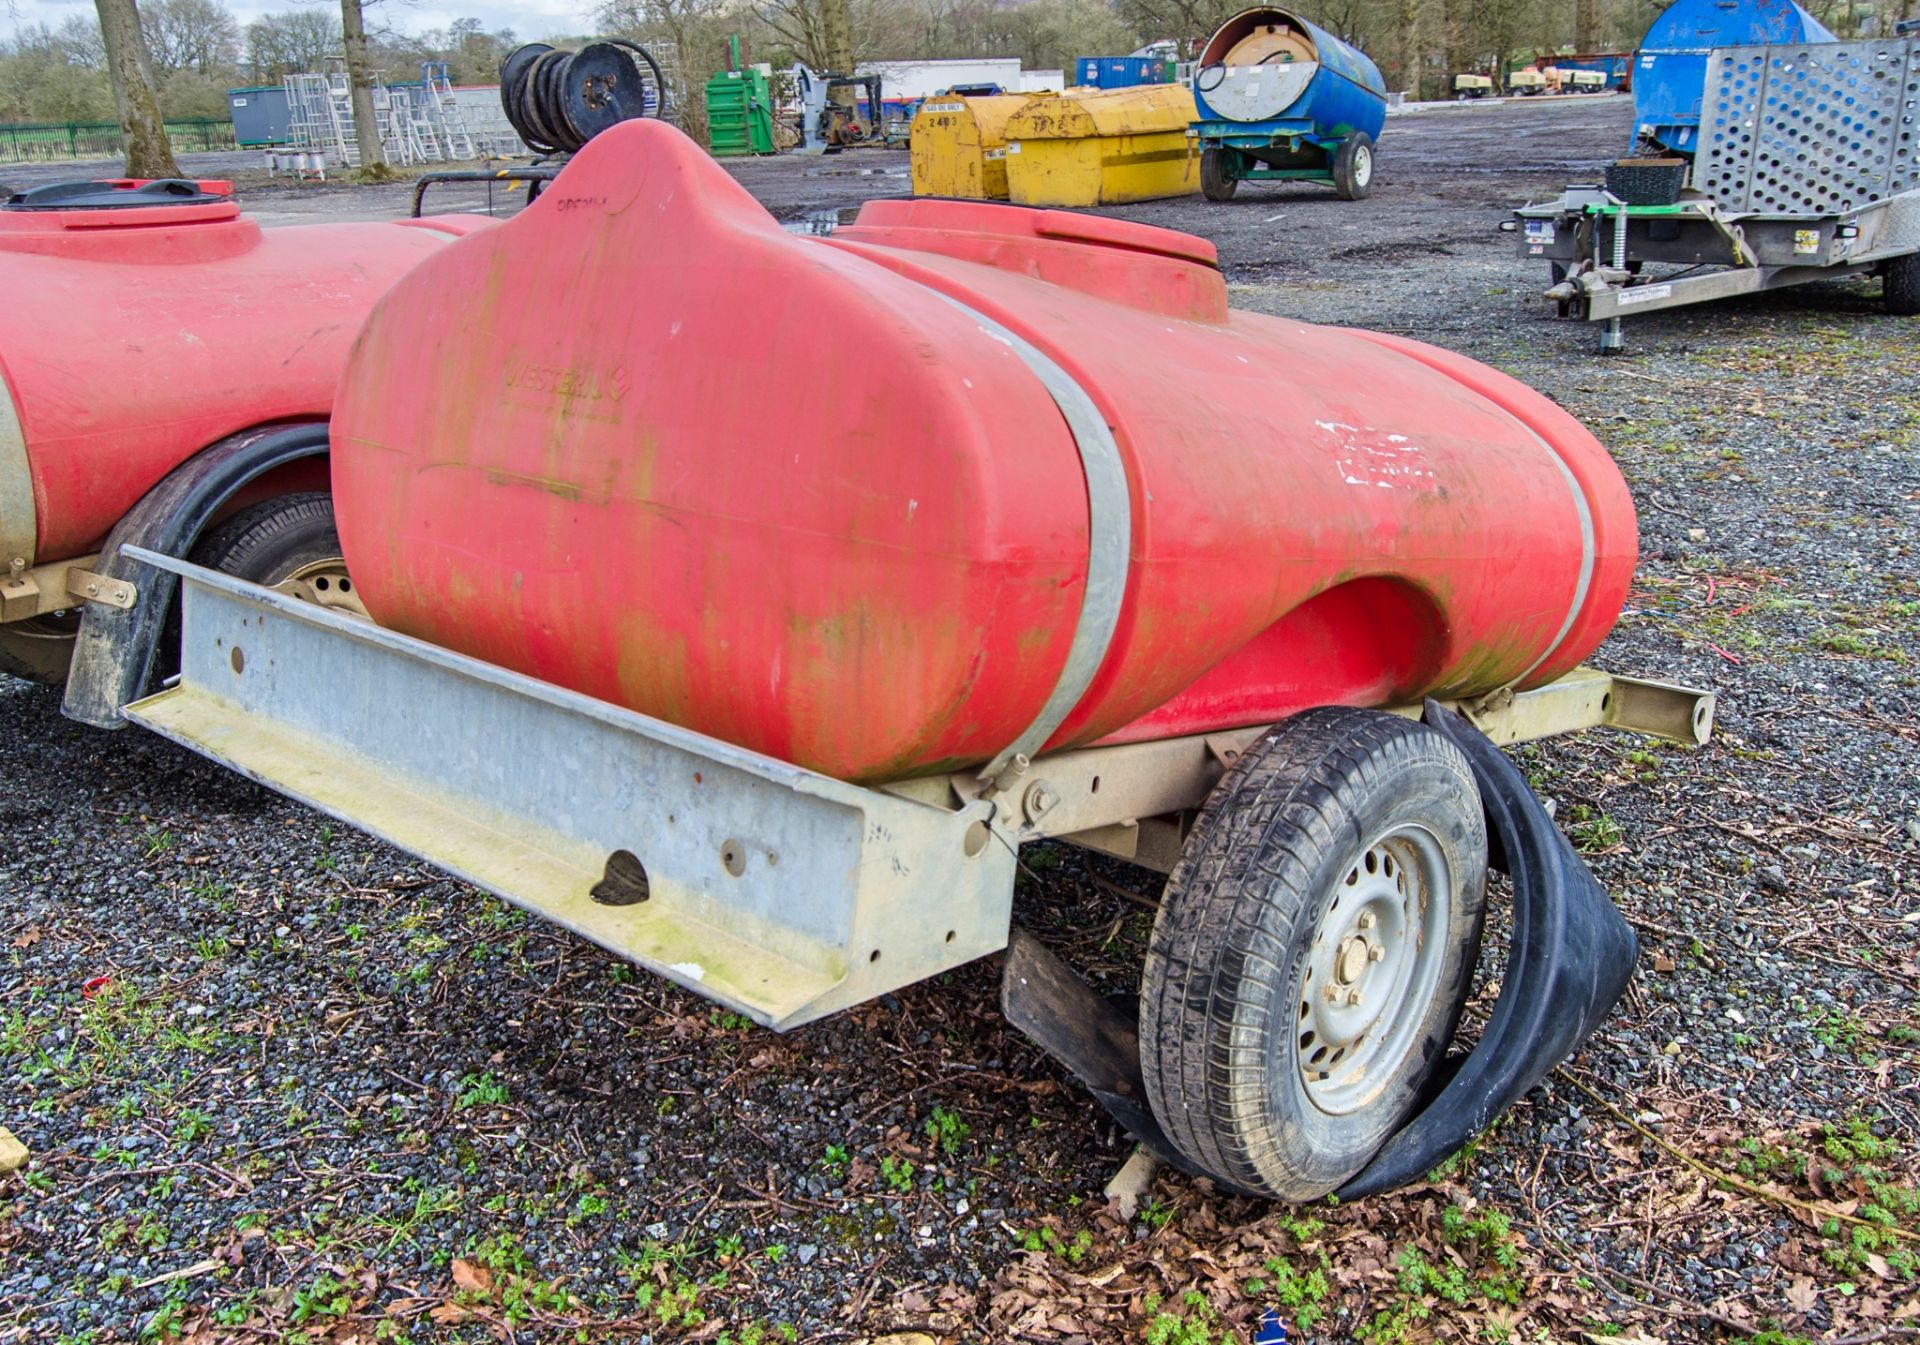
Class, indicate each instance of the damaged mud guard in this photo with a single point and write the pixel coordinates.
(1571, 958)
(114, 655)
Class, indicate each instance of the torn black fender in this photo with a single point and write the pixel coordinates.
(113, 656)
(1572, 956)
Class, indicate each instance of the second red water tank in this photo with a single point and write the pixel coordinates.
(959, 477)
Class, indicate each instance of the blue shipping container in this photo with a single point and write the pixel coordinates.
(1121, 72)
(260, 115)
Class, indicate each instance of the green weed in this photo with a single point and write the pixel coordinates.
(480, 1090)
(947, 1131)
(897, 1173)
(1196, 1323)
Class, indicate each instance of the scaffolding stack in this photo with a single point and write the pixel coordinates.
(444, 110)
(418, 123)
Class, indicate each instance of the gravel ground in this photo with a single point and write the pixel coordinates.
(281, 1082)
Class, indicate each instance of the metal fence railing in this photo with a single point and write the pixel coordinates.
(28, 142)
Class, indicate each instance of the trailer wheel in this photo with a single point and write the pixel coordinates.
(288, 542)
(39, 648)
(1353, 167)
(1900, 278)
(1217, 179)
(1313, 950)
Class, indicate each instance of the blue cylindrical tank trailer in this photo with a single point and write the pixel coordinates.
(1282, 99)
(1670, 70)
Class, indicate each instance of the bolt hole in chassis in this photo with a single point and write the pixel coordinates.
(786, 895)
(1805, 170)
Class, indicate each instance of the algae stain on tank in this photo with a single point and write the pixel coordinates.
(651, 668)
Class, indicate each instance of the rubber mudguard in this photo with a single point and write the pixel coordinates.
(1572, 956)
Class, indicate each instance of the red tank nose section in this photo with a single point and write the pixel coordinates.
(819, 497)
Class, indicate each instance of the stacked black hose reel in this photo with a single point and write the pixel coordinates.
(558, 100)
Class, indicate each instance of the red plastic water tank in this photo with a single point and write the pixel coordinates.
(830, 499)
(137, 333)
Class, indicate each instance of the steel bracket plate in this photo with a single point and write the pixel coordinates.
(781, 893)
(30, 591)
(88, 586)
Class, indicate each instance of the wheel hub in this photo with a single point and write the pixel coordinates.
(325, 584)
(1372, 969)
(1355, 955)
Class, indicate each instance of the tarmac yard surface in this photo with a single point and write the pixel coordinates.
(280, 1082)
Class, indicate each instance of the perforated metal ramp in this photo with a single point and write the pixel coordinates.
(1810, 129)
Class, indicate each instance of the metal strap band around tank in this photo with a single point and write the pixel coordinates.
(19, 519)
(1109, 539)
(1588, 548)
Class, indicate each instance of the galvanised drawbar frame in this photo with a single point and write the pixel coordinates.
(783, 894)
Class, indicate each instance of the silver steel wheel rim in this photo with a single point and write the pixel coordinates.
(325, 583)
(1372, 969)
(1363, 165)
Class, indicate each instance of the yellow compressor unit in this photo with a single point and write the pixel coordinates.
(960, 146)
(1103, 148)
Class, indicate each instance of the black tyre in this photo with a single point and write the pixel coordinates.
(288, 542)
(1217, 179)
(39, 648)
(1313, 950)
(1900, 278)
(290, 539)
(1353, 167)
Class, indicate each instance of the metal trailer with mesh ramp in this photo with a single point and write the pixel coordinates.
(1807, 168)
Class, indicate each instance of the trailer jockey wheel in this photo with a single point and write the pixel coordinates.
(287, 543)
(1217, 179)
(1353, 167)
(1313, 950)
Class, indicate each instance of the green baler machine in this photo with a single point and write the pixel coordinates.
(739, 110)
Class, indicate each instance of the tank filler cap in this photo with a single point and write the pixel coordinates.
(121, 194)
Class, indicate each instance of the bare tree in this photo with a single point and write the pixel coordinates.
(801, 25)
(285, 43)
(689, 38)
(143, 133)
(78, 38)
(1188, 22)
(196, 35)
(366, 130)
(1405, 56)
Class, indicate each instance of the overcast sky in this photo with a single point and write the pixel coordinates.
(529, 19)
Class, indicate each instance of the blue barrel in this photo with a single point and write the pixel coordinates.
(1670, 75)
(1266, 68)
